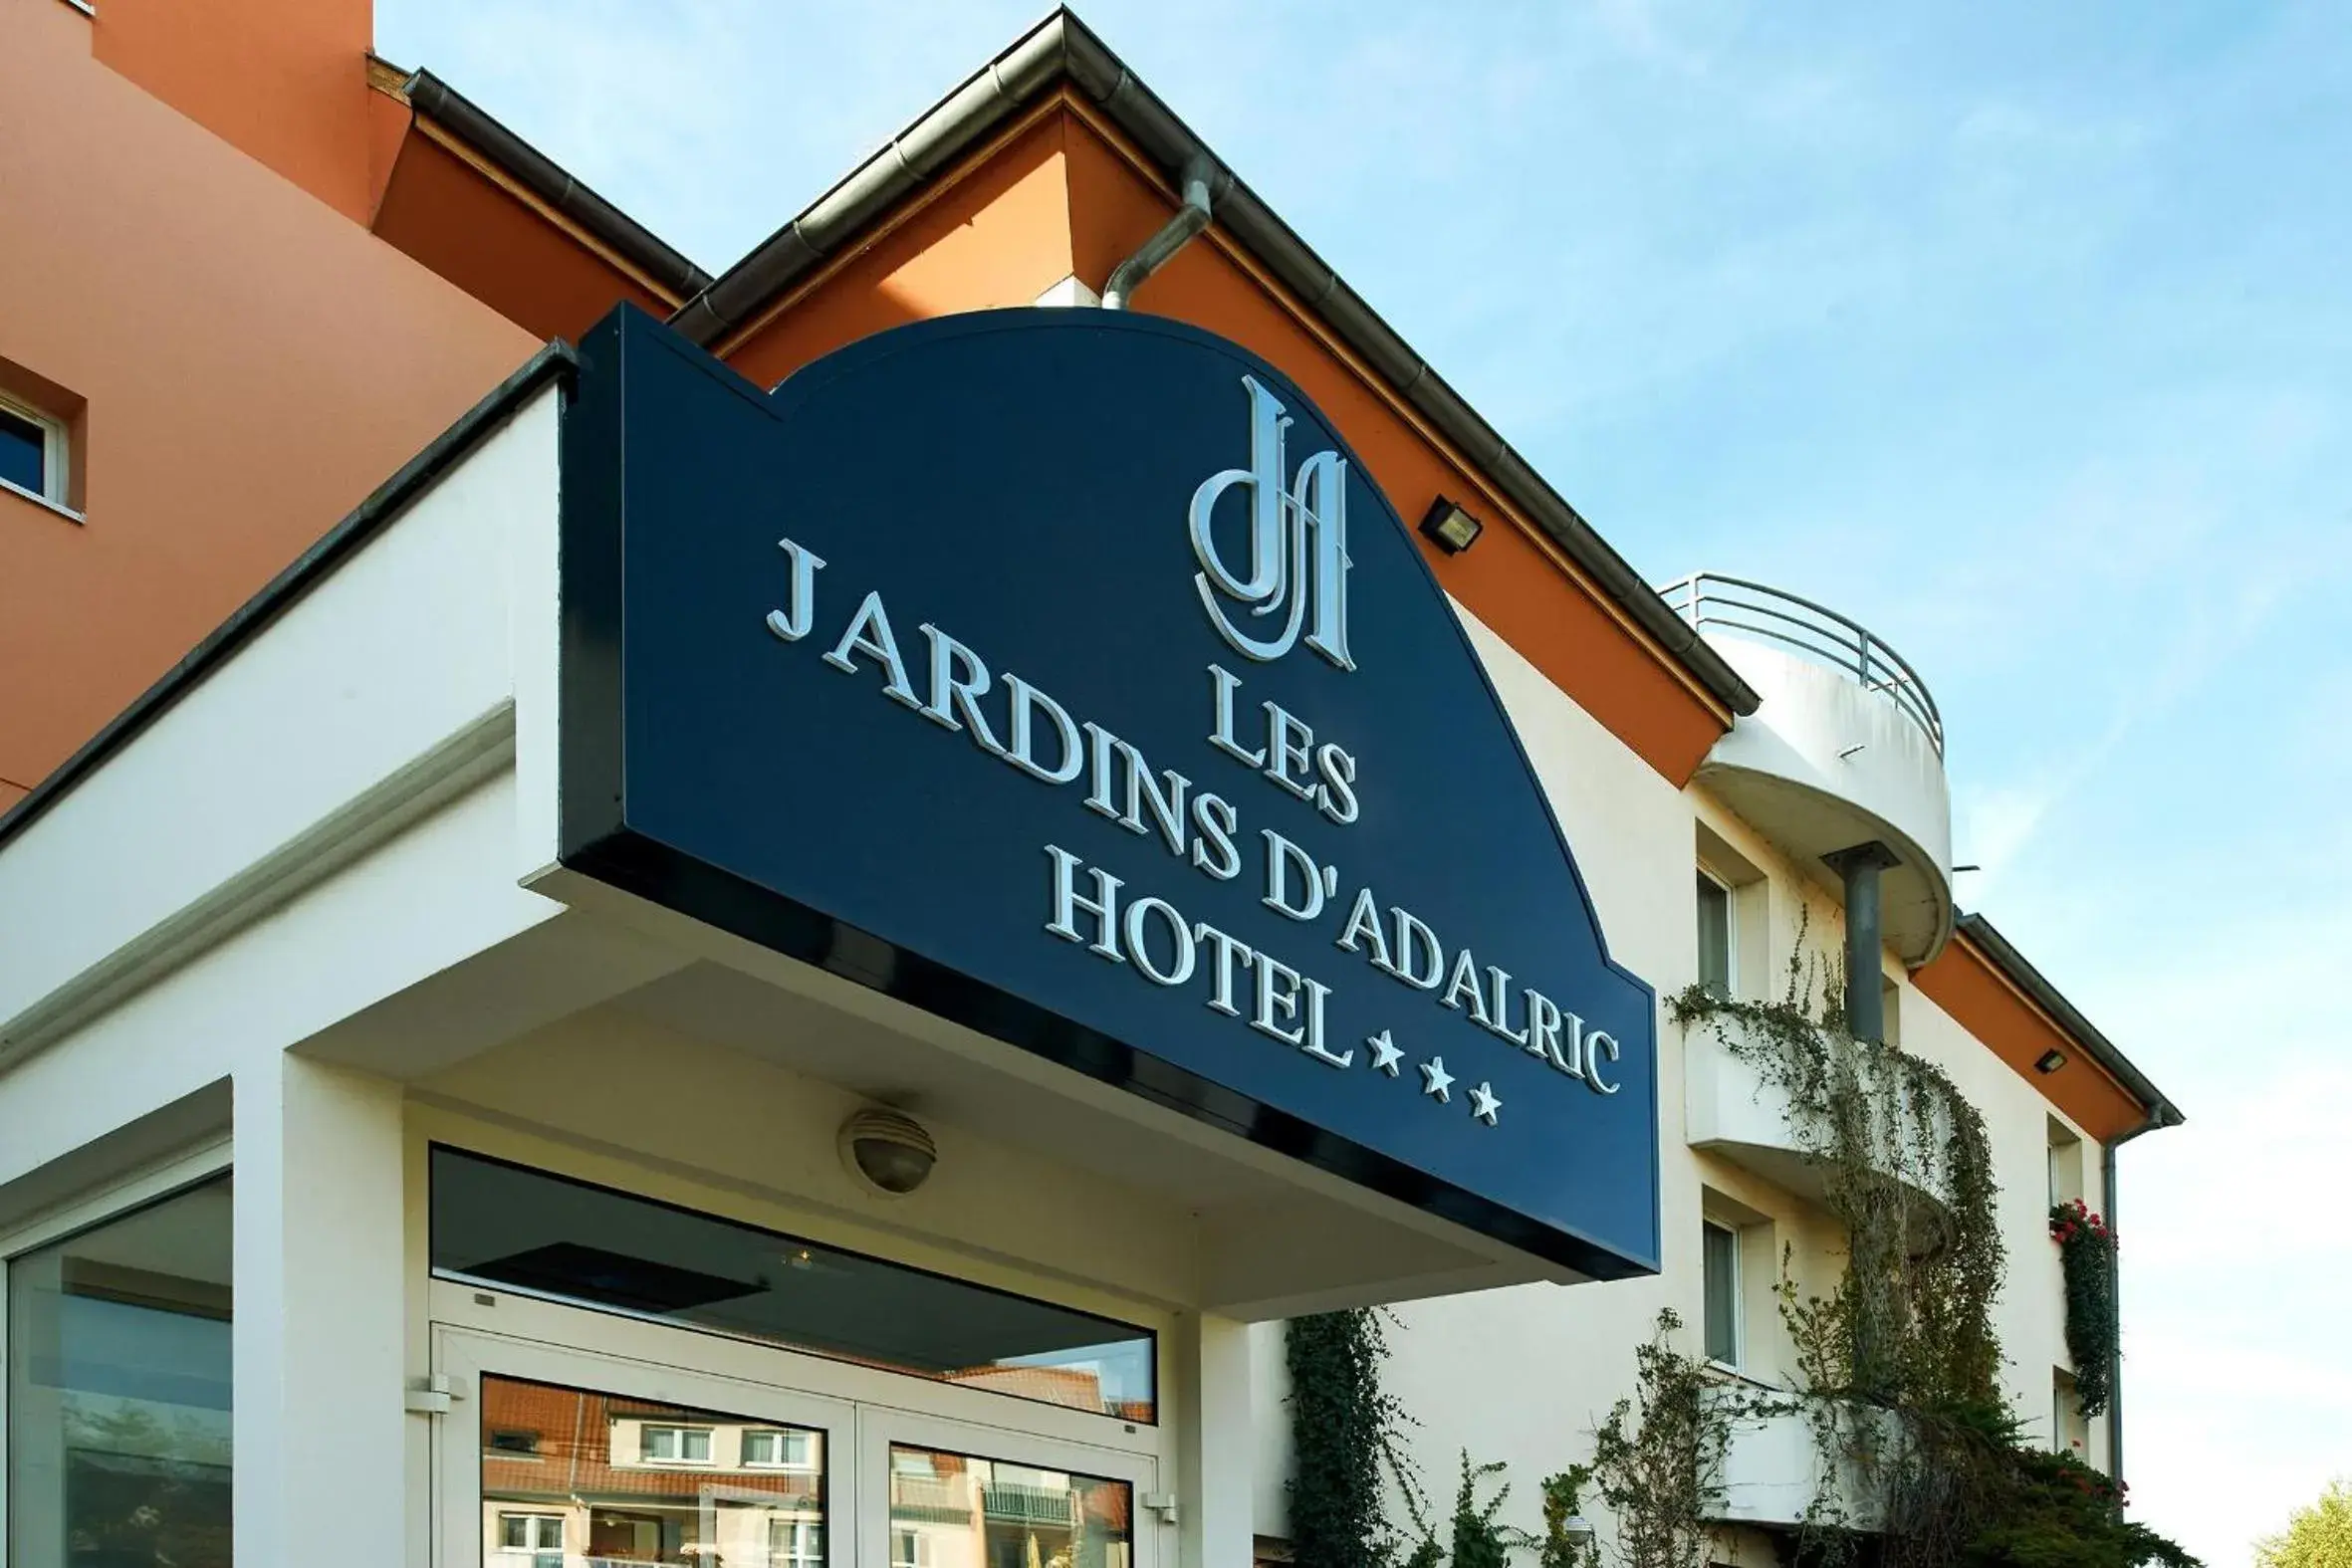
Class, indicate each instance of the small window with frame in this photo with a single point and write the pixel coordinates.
(785, 1448)
(531, 1540)
(1720, 1263)
(674, 1445)
(1715, 936)
(36, 454)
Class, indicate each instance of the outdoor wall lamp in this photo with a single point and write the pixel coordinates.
(887, 1151)
(2051, 1061)
(1577, 1530)
(1453, 529)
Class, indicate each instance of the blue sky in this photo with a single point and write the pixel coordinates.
(2023, 332)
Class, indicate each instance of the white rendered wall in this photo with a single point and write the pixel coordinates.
(387, 659)
(320, 1309)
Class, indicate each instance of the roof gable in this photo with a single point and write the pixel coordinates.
(1055, 163)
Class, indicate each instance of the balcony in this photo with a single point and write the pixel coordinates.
(1847, 747)
(1736, 1111)
(1773, 1470)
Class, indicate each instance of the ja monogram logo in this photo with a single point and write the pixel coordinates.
(1298, 543)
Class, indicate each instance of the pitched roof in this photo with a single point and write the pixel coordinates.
(1064, 51)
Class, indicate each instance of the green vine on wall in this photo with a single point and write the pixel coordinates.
(1658, 1458)
(1345, 1429)
(1899, 1359)
(2087, 1256)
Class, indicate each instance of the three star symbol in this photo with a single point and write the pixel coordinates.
(1388, 1058)
(1435, 1080)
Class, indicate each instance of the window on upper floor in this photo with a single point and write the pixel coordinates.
(674, 1445)
(34, 460)
(1717, 948)
(41, 436)
(788, 1450)
(1720, 1261)
(2065, 1161)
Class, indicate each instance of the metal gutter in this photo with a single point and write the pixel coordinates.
(555, 362)
(2161, 1111)
(1062, 48)
(545, 178)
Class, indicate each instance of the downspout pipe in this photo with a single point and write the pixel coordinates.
(2163, 1116)
(1859, 867)
(1200, 181)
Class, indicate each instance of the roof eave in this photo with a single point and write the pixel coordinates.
(1064, 49)
(2013, 966)
(552, 183)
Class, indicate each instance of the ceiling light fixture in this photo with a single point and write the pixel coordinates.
(887, 1151)
(2051, 1061)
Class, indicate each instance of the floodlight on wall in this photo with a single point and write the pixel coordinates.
(887, 1151)
(2049, 1061)
(1450, 528)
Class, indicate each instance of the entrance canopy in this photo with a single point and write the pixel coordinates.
(1034, 721)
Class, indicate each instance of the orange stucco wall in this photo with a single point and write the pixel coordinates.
(1057, 196)
(250, 361)
(280, 80)
(1966, 983)
(993, 235)
(493, 244)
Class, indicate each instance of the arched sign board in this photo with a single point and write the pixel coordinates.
(1064, 674)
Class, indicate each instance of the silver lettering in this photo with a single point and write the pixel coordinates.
(1140, 951)
(1027, 702)
(1227, 950)
(1277, 992)
(792, 625)
(1280, 857)
(1222, 735)
(1069, 904)
(869, 634)
(954, 693)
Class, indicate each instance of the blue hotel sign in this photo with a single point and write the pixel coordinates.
(1063, 674)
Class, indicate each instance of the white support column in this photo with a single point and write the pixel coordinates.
(1217, 1500)
(318, 1338)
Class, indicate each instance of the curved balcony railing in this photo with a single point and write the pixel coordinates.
(1709, 599)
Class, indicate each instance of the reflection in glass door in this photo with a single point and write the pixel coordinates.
(576, 1478)
(957, 1510)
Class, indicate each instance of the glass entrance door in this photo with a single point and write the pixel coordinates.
(560, 1457)
(951, 1494)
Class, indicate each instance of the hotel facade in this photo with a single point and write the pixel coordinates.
(785, 917)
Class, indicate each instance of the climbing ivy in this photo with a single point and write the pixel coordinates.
(1658, 1460)
(1907, 1172)
(1345, 1431)
(2087, 1256)
(1924, 1462)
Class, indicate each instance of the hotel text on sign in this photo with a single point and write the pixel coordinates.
(1067, 666)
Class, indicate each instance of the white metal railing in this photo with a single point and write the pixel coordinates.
(1710, 599)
